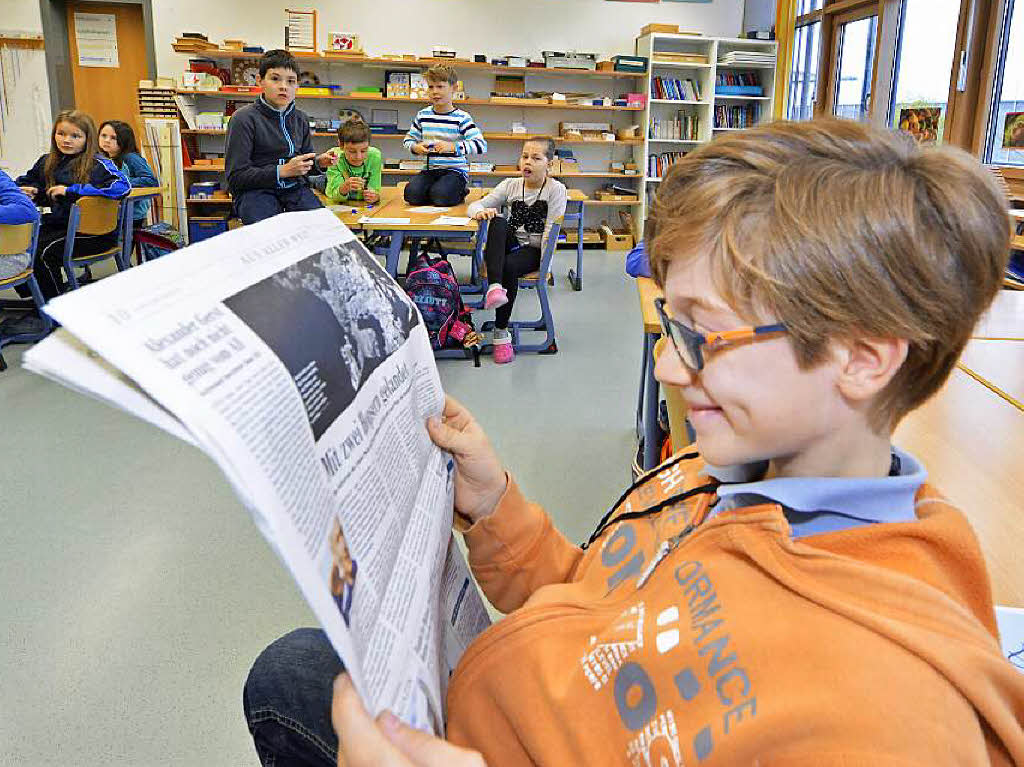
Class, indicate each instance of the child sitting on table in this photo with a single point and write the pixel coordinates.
(445, 135)
(515, 243)
(117, 141)
(72, 168)
(356, 174)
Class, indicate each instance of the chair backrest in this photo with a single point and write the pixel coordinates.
(549, 252)
(98, 215)
(18, 238)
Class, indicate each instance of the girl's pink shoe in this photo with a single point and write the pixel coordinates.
(496, 296)
(503, 351)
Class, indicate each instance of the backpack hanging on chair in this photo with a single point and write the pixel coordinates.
(432, 286)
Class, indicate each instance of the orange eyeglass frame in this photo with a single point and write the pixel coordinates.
(689, 351)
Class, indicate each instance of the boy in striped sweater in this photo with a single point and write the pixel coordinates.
(446, 136)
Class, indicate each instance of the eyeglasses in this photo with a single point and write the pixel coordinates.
(688, 342)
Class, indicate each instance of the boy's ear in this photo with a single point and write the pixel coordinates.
(866, 365)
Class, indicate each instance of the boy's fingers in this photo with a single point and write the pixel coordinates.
(360, 742)
(422, 749)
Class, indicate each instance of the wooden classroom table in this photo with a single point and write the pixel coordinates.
(999, 365)
(971, 442)
(1005, 318)
(647, 401)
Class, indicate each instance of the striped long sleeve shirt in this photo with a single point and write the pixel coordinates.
(457, 127)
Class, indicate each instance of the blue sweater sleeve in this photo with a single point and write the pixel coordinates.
(139, 172)
(105, 181)
(15, 206)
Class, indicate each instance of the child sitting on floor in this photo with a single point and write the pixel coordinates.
(516, 241)
(356, 174)
(117, 141)
(73, 168)
(445, 135)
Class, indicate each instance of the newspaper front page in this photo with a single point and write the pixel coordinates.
(286, 353)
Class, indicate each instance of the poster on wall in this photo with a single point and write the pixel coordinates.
(96, 39)
(922, 123)
(1013, 131)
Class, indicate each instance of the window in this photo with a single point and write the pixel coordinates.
(856, 56)
(1005, 140)
(803, 72)
(807, 6)
(927, 38)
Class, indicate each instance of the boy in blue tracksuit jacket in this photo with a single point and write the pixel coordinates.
(269, 155)
(72, 169)
(15, 208)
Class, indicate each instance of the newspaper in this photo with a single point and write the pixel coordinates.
(286, 353)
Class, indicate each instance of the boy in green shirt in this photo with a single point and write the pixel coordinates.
(356, 174)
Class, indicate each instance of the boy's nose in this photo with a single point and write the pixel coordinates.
(669, 369)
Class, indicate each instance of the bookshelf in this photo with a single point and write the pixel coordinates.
(699, 60)
(495, 118)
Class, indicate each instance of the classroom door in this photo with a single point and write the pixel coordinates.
(108, 92)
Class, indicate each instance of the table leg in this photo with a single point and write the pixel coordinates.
(651, 391)
(394, 252)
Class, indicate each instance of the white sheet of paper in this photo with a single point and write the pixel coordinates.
(428, 209)
(371, 220)
(452, 220)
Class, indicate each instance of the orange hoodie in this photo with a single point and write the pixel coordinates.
(870, 646)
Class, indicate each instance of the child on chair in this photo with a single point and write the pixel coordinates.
(446, 136)
(117, 141)
(73, 168)
(356, 175)
(535, 201)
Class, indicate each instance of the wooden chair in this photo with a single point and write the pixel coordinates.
(678, 427)
(16, 239)
(95, 216)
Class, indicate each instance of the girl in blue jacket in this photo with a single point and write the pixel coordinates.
(70, 170)
(15, 208)
(117, 141)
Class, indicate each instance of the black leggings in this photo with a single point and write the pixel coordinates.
(436, 186)
(507, 261)
(49, 259)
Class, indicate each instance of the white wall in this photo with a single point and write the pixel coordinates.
(20, 15)
(27, 121)
(492, 27)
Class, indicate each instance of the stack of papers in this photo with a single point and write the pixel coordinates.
(452, 220)
(748, 57)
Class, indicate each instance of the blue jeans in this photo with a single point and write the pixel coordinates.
(258, 204)
(287, 701)
(436, 187)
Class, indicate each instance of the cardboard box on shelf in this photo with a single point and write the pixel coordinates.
(672, 29)
(616, 239)
(607, 196)
(633, 131)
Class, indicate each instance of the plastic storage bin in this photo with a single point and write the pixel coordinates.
(204, 227)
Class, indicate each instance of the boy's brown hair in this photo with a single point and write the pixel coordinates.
(841, 230)
(441, 73)
(354, 131)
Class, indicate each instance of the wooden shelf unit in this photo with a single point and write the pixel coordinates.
(615, 83)
(714, 49)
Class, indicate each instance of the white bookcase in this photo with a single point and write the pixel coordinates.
(660, 112)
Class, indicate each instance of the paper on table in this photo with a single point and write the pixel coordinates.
(427, 209)
(372, 220)
(452, 220)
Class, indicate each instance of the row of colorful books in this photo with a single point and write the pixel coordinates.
(674, 89)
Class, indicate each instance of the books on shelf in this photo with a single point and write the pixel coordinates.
(733, 58)
(675, 89)
(683, 126)
(657, 164)
(741, 116)
(738, 84)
